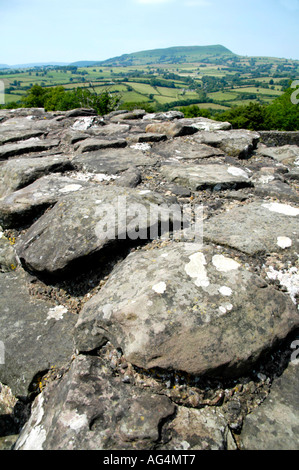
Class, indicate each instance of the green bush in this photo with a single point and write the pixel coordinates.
(59, 99)
(281, 115)
(195, 111)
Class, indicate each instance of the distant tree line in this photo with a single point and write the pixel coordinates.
(60, 99)
(282, 114)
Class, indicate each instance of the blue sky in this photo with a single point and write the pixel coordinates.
(71, 30)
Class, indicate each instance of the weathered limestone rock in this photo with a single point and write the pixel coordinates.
(80, 112)
(20, 207)
(187, 309)
(196, 177)
(110, 129)
(85, 223)
(171, 129)
(90, 409)
(113, 161)
(90, 145)
(173, 321)
(143, 138)
(277, 189)
(178, 149)
(8, 260)
(20, 172)
(129, 179)
(10, 135)
(236, 143)
(255, 228)
(287, 154)
(167, 116)
(31, 331)
(205, 124)
(136, 114)
(274, 425)
(29, 146)
(87, 122)
(203, 429)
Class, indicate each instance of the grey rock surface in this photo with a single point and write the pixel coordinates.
(250, 228)
(85, 224)
(187, 309)
(180, 149)
(20, 172)
(149, 293)
(32, 332)
(90, 409)
(22, 206)
(196, 177)
(113, 161)
(24, 147)
(275, 424)
(236, 143)
(286, 154)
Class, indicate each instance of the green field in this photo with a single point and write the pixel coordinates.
(213, 77)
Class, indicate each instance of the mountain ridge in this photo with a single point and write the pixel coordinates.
(174, 54)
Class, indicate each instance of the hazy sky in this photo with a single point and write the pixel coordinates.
(72, 30)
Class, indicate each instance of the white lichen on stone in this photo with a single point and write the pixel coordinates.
(233, 170)
(224, 264)
(159, 288)
(103, 177)
(284, 242)
(225, 291)
(196, 269)
(57, 313)
(141, 146)
(73, 420)
(70, 188)
(107, 311)
(287, 278)
(285, 209)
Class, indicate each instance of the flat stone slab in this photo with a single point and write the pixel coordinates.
(29, 146)
(205, 124)
(20, 208)
(236, 142)
(91, 409)
(186, 308)
(86, 222)
(90, 145)
(203, 429)
(258, 227)
(179, 149)
(110, 129)
(196, 177)
(274, 425)
(30, 121)
(277, 189)
(171, 129)
(113, 161)
(31, 331)
(286, 154)
(167, 116)
(9, 135)
(20, 172)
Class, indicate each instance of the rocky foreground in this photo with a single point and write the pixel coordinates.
(149, 283)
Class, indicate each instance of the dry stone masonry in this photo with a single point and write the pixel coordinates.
(149, 280)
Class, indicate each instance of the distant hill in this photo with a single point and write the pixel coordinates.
(170, 55)
(35, 64)
(84, 63)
